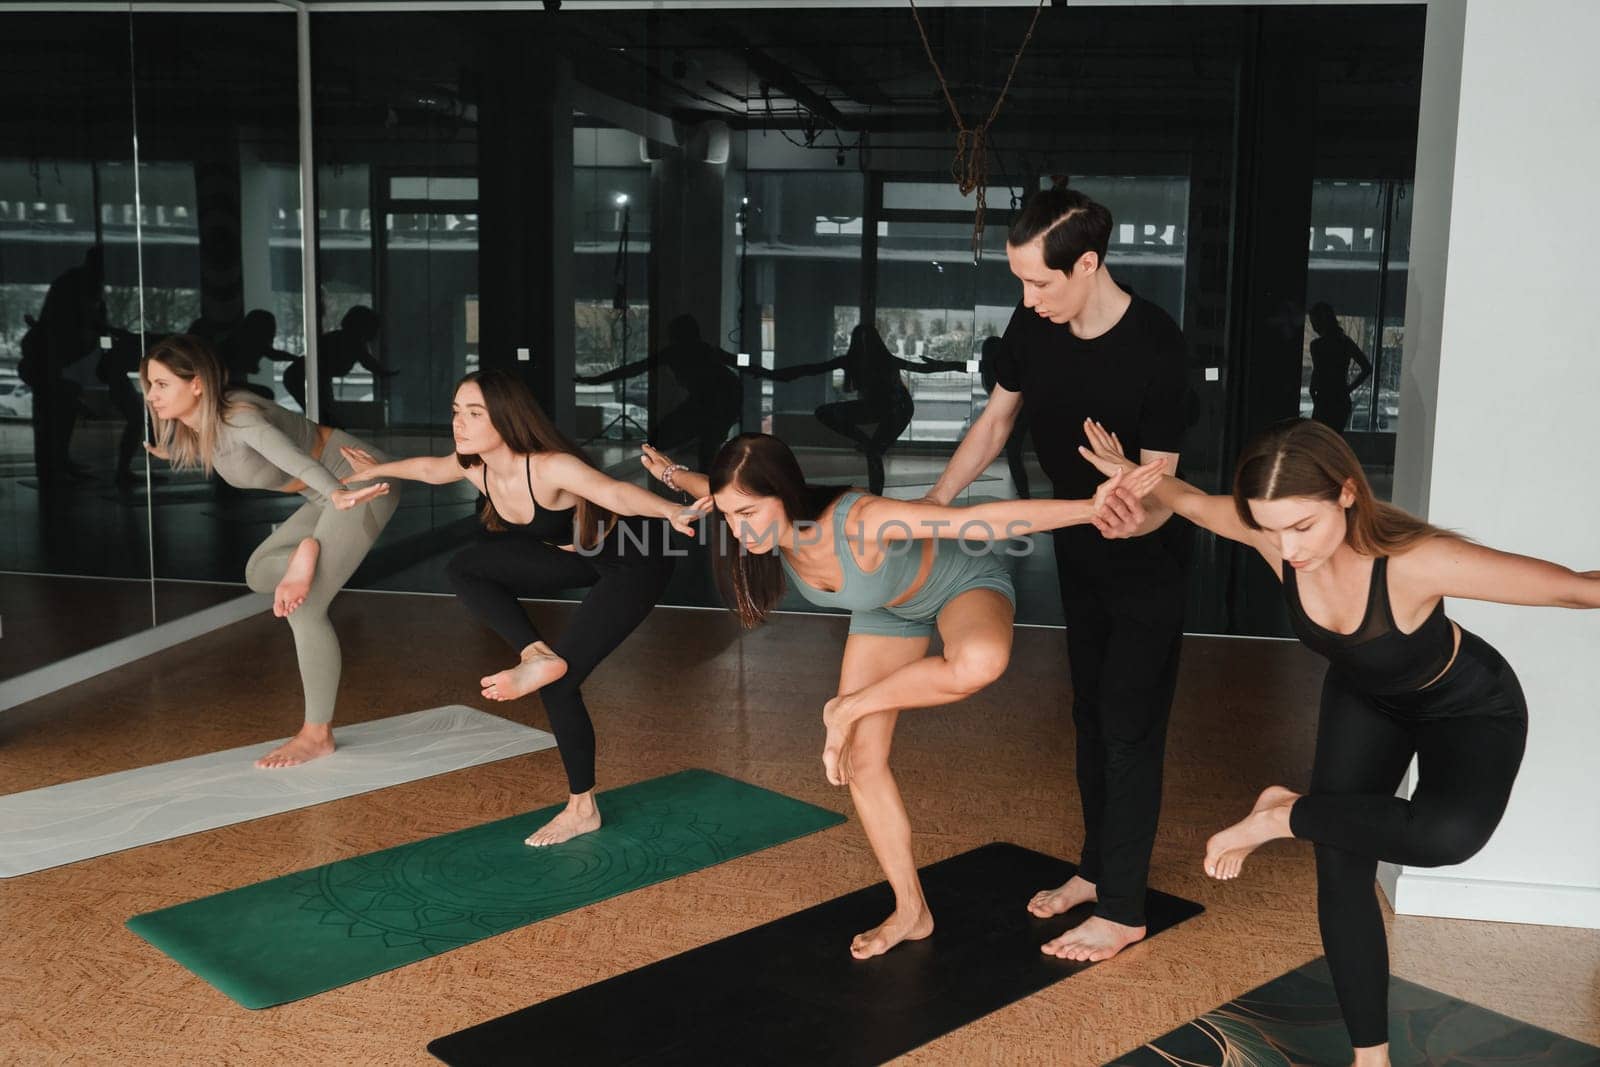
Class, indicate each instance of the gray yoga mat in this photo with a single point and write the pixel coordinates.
(73, 821)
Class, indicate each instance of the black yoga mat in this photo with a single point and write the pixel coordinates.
(789, 991)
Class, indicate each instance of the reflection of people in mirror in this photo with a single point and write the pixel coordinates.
(58, 363)
(705, 372)
(246, 345)
(338, 353)
(1332, 352)
(253, 444)
(884, 402)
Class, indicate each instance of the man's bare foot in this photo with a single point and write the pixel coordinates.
(1063, 898)
(313, 741)
(538, 668)
(579, 817)
(898, 927)
(297, 577)
(1093, 940)
(1226, 851)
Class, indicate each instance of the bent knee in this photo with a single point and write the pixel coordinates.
(978, 665)
(1446, 840)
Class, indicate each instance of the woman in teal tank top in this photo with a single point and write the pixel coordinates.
(903, 569)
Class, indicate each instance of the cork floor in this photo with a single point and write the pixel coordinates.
(686, 690)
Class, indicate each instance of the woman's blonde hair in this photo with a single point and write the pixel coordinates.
(1304, 458)
(190, 357)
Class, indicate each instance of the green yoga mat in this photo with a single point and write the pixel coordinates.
(315, 930)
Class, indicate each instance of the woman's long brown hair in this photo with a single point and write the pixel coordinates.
(752, 584)
(527, 430)
(1304, 458)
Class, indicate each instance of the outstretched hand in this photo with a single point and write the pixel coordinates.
(1105, 449)
(345, 499)
(654, 460)
(683, 519)
(1118, 502)
(360, 460)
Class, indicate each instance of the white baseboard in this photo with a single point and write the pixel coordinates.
(1444, 896)
(74, 669)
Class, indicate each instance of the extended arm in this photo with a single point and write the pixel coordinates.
(799, 370)
(627, 370)
(886, 519)
(981, 445)
(620, 498)
(434, 470)
(929, 366)
(1361, 360)
(1452, 567)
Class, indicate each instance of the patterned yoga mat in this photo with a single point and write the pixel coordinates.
(318, 929)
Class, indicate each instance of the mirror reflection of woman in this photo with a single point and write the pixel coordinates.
(252, 443)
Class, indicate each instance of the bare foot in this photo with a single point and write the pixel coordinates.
(579, 817)
(836, 745)
(1063, 898)
(1274, 795)
(1093, 940)
(537, 669)
(1226, 851)
(291, 592)
(313, 741)
(896, 928)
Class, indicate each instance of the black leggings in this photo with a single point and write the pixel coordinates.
(1467, 731)
(625, 579)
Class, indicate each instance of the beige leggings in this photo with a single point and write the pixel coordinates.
(344, 538)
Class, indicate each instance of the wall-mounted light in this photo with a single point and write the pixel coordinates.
(621, 199)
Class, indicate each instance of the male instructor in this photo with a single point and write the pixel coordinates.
(1080, 346)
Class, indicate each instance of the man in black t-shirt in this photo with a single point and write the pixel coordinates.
(1079, 346)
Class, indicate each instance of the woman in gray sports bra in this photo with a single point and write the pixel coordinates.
(254, 444)
(903, 569)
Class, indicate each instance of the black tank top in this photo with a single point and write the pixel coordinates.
(1378, 657)
(551, 527)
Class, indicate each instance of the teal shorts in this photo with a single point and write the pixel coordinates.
(957, 568)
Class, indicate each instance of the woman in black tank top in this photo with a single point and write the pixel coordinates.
(552, 523)
(1365, 584)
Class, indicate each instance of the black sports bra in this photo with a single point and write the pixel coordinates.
(551, 527)
(1378, 657)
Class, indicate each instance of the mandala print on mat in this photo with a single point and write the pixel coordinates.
(454, 890)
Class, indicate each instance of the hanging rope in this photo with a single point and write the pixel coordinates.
(971, 167)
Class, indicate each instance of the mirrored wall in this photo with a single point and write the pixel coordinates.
(675, 224)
